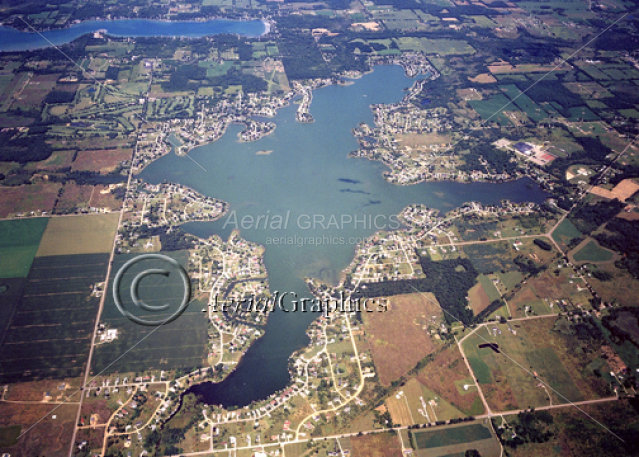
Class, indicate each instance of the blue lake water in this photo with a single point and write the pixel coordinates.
(308, 178)
(15, 40)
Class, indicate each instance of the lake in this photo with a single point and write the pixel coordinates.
(308, 178)
(16, 40)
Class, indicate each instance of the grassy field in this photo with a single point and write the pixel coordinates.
(592, 252)
(493, 108)
(491, 257)
(565, 232)
(510, 279)
(489, 287)
(622, 288)
(79, 235)
(429, 46)
(440, 376)
(50, 331)
(478, 298)
(51, 437)
(456, 439)
(532, 110)
(450, 436)
(103, 161)
(19, 241)
(398, 338)
(377, 445)
(20, 200)
(10, 293)
(180, 344)
(406, 407)
(9, 435)
(559, 359)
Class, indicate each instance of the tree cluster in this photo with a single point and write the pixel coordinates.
(445, 279)
(587, 218)
(624, 239)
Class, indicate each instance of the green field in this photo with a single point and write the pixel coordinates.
(521, 100)
(79, 235)
(489, 288)
(556, 358)
(19, 241)
(451, 436)
(592, 252)
(581, 113)
(510, 279)
(217, 69)
(4, 81)
(49, 332)
(490, 257)
(9, 435)
(480, 369)
(565, 232)
(493, 109)
(10, 293)
(179, 344)
(429, 46)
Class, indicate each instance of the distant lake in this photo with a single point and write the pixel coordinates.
(15, 40)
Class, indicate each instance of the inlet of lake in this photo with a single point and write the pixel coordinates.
(307, 177)
(12, 40)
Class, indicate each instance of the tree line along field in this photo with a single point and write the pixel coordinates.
(50, 329)
(545, 346)
(179, 344)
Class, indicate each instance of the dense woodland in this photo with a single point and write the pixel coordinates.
(624, 239)
(448, 280)
(531, 427)
(498, 161)
(587, 218)
(28, 148)
(617, 334)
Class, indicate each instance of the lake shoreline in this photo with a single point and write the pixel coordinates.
(24, 40)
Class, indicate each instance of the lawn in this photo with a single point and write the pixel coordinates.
(19, 241)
